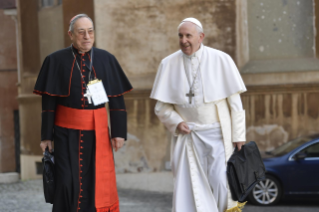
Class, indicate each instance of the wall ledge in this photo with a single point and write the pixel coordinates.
(280, 65)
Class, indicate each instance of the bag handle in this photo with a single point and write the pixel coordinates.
(243, 187)
(256, 175)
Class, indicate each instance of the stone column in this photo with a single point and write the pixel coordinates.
(29, 104)
(8, 104)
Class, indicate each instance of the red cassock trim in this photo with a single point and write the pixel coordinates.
(80, 171)
(106, 198)
(117, 110)
(82, 81)
(120, 94)
(114, 208)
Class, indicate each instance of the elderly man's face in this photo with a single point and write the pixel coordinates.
(83, 34)
(189, 38)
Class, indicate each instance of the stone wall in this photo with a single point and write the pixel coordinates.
(280, 29)
(281, 36)
(50, 30)
(8, 92)
(8, 49)
(275, 114)
(147, 147)
(8, 103)
(141, 33)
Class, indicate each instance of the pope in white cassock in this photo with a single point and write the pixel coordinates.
(197, 91)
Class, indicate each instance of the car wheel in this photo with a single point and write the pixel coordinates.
(266, 192)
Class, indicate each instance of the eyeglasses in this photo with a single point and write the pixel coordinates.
(83, 32)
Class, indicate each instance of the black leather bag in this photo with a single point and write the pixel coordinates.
(48, 176)
(245, 169)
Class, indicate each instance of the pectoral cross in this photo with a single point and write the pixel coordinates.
(190, 95)
(88, 95)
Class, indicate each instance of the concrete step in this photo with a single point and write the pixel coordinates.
(156, 181)
(10, 177)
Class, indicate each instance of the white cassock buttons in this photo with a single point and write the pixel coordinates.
(193, 171)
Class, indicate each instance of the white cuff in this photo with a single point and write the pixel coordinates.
(238, 126)
(168, 116)
(172, 125)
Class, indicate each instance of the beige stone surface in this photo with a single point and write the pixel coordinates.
(280, 29)
(147, 145)
(8, 103)
(50, 30)
(28, 166)
(242, 39)
(8, 92)
(28, 38)
(8, 49)
(30, 126)
(277, 114)
(158, 182)
(267, 136)
(141, 33)
(281, 78)
(10, 177)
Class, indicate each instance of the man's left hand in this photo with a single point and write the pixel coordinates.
(117, 143)
(239, 144)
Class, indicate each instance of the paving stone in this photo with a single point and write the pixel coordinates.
(27, 196)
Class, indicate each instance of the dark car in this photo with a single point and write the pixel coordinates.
(292, 170)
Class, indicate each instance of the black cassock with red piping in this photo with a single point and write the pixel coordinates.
(60, 83)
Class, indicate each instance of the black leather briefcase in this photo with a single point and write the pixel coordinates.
(245, 169)
(48, 176)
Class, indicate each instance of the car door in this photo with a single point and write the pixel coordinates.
(304, 173)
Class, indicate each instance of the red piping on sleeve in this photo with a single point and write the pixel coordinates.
(117, 110)
(80, 171)
(120, 94)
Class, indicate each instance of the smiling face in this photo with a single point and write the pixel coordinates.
(83, 34)
(189, 38)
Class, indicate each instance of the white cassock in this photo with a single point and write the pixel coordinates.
(199, 159)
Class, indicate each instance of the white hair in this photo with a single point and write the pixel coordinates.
(199, 29)
(75, 18)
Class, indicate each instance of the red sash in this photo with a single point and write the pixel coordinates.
(106, 198)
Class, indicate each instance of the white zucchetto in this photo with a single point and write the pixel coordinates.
(193, 20)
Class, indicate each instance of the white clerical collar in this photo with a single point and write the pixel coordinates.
(197, 54)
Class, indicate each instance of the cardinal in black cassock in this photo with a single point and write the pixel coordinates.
(84, 164)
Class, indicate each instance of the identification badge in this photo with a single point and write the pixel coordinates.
(97, 92)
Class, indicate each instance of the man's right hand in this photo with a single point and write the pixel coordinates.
(46, 143)
(183, 128)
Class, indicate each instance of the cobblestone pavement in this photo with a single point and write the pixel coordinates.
(28, 197)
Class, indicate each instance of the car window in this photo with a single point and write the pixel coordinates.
(312, 151)
(291, 145)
